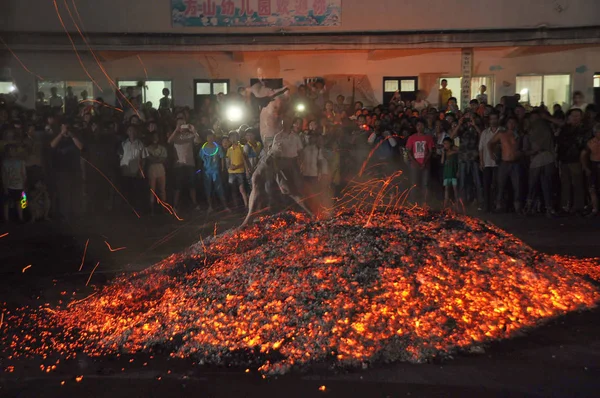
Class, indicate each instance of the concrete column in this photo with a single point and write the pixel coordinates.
(466, 66)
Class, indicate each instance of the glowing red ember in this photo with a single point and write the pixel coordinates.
(287, 292)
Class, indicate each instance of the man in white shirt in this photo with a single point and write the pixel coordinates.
(183, 139)
(487, 164)
(280, 161)
(133, 153)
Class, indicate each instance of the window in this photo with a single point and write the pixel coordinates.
(78, 86)
(211, 87)
(597, 79)
(549, 89)
(151, 91)
(7, 87)
(454, 84)
(407, 85)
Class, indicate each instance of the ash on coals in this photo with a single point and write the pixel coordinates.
(358, 288)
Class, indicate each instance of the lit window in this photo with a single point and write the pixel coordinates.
(150, 92)
(78, 86)
(391, 86)
(597, 80)
(549, 89)
(211, 87)
(7, 87)
(407, 86)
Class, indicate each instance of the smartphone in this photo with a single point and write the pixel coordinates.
(185, 126)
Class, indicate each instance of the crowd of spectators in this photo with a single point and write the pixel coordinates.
(73, 156)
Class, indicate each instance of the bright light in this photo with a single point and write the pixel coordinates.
(234, 113)
(12, 88)
(524, 91)
(300, 108)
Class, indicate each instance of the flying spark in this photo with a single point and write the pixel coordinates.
(114, 250)
(26, 268)
(90, 278)
(84, 252)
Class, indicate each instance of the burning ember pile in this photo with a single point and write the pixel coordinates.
(360, 288)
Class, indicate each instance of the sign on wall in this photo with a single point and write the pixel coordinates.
(256, 13)
(467, 74)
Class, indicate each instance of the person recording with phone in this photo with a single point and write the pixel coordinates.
(183, 139)
(66, 153)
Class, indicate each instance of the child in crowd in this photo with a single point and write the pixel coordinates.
(14, 178)
(213, 160)
(450, 162)
(236, 167)
(39, 202)
(252, 149)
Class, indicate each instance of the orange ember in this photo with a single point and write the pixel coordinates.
(287, 292)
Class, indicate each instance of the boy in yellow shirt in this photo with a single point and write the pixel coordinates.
(445, 95)
(236, 167)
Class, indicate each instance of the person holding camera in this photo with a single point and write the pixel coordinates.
(66, 165)
(469, 173)
(183, 139)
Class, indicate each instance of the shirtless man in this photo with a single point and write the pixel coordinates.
(510, 167)
(591, 165)
(279, 162)
(270, 121)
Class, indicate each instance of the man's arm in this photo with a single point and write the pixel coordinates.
(456, 129)
(77, 142)
(54, 143)
(584, 157)
(197, 139)
(493, 141)
(173, 135)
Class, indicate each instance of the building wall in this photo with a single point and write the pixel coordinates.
(182, 69)
(357, 15)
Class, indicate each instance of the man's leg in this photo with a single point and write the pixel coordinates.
(546, 180)
(578, 186)
(477, 181)
(515, 177)
(503, 174)
(259, 178)
(414, 182)
(462, 181)
(534, 179)
(565, 186)
(488, 173)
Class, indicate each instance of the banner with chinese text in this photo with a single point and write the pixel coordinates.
(256, 13)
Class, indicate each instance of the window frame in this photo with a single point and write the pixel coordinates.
(119, 80)
(65, 85)
(12, 83)
(211, 82)
(387, 95)
(569, 97)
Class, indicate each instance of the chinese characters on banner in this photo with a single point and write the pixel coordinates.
(467, 72)
(256, 13)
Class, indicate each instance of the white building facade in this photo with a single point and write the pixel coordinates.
(543, 49)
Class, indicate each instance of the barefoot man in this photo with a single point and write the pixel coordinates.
(281, 163)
